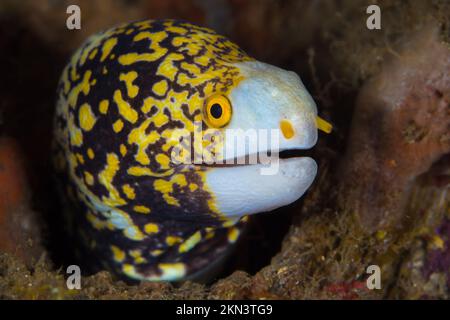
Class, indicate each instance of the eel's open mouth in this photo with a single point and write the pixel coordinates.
(251, 188)
(259, 159)
(262, 182)
(263, 156)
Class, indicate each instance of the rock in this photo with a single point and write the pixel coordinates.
(236, 286)
(19, 230)
(401, 126)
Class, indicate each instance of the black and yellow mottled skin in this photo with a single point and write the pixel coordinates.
(120, 97)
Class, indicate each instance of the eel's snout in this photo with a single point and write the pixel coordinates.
(299, 131)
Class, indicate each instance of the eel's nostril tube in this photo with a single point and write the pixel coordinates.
(323, 125)
(287, 129)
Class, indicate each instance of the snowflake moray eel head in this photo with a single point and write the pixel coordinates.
(130, 97)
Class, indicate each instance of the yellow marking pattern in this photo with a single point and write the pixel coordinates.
(133, 142)
(84, 86)
(118, 126)
(167, 68)
(129, 191)
(141, 209)
(128, 78)
(118, 254)
(160, 88)
(171, 240)
(103, 106)
(137, 255)
(191, 242)
(89, 178)
(166, 188)
(106, 179)
(150, 228)
(90, 153)
(233, 234)
(172, 270)
(124, 107)
(123, 150)
(107, 48)
(139, 137)
(86, 117)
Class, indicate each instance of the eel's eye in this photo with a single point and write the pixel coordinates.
(218, 110)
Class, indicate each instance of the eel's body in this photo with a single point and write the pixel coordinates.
(123, 97)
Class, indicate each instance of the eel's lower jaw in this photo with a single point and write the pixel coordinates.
(248, 189)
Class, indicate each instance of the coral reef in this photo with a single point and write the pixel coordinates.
(381, 196)
(400, 128)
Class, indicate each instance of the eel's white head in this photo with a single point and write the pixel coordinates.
(269, 111)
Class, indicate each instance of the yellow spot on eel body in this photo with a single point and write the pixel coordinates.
(190, 242)
(133, 233)
(80, 158)
(118, 254)
(171, 240)
(106, 179)
(141, 209)
(137, 255)
(103, 106)
(233, 234)
(118, 126)
(128, 78)
(172, 270)
(209, 233)
(86, 117)
(89, 178)
(150, 228)
(160, 87)
(93, 54)
(107, 48)
(142, 171)
(90, 153)
(124, 107)
(175, 29)
(129, 270)
(129, 191)
(160, 119)
(123, 150)
(163, 160)
(166, 188)
(166, 67)
(84, 86)
(139, 137)
(158, 51)
(156, 252)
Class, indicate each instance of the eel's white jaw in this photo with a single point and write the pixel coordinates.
(243, 190)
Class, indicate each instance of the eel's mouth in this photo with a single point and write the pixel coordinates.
(264, 181)
(259, 158)
(292, 149)
(248, 188)
(295, 153)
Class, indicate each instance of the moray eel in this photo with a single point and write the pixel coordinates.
(122, 101)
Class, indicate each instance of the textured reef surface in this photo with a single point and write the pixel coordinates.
(381, 195)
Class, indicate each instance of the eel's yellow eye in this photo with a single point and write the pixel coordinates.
(218, 110)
